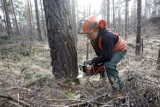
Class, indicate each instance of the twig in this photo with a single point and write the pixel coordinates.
(77, 104)
(15, 100)
(64, 100)
(18, 97)
(57, 105)
(12, 88)
(148, 79)
(65, 85)
(61, 93)
(14, 103)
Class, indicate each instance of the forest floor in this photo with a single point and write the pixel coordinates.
(26, 78)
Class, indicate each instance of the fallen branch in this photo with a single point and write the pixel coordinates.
(70, 86)
(15, 100)
(15, 103)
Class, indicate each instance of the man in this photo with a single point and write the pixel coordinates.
(109, 48)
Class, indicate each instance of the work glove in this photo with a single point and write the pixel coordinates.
(88, 62)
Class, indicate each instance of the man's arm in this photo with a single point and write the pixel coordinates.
(106, 52)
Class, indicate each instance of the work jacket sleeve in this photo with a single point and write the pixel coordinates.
(96, 51)
(106, 51)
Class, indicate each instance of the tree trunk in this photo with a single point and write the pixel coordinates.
(15, 19)
(158, 60)
(135, 21)
(104, 9)
(4, 14)
(87, 51)
(108, 13)
(126, 20)
(145, 17)
(8, 22)
(138, 38)
(60, 38)
(43, 20)
(38, 22)
(30, 26)
(74, 21)
(119, 20)
(77, 13)
(113, 16)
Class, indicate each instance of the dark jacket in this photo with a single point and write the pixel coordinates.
(108, 40)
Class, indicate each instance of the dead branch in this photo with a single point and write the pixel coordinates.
(15, 100)
(15, 103)
(74, 87)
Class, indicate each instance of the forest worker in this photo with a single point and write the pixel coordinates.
(109, 48)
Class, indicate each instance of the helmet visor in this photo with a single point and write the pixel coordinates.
(84, 27)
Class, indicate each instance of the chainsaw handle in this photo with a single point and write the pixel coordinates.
(88, 62)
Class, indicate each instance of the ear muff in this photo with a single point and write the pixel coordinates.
(94, 24)
(102, 24)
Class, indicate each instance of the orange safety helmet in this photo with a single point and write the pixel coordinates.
(88, 25)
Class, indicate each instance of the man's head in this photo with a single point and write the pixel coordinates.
(90, 27)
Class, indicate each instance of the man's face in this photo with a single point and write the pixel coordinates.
(92, 35)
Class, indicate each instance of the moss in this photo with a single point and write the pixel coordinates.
(70, 94)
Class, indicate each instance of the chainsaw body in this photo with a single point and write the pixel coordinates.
(92, 69)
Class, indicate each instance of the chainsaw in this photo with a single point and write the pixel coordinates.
(93, 69)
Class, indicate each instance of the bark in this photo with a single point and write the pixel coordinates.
(138, 37)
(74, 21)
(8, 22)
(60, 38)
(38, 22)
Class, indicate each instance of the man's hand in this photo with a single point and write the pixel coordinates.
(88, 62)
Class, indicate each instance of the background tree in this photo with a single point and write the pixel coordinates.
(114, 26)
(158, 60)
(119, 18)
(74, 24)
(7, 17)
(108, 13)
(29, 18)
(43, 20)
(15, 18)
(61, 42)
(103, 9)
(126, 20)
(88, 12)
(138, 37)
(38, 21)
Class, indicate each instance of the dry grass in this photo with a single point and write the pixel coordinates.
(25, 74)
